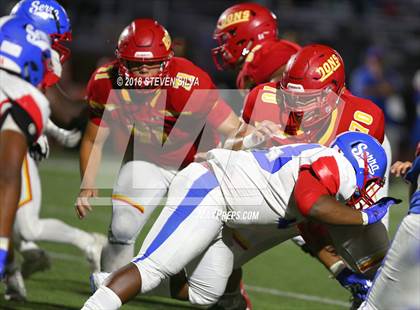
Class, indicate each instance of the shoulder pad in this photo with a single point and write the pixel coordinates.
(326, 170)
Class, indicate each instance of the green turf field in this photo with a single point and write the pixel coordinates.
(283, 278)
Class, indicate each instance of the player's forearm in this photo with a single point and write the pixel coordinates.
(90, 159)
(319, 243)
(236, 142)
(329, 211)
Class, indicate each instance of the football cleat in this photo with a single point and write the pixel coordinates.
(15, 286)
(34, 260)
(234, 301)
(93, 252)
(245, 297)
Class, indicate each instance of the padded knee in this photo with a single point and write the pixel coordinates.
(125, 224)
(202, 297)
(151, 275)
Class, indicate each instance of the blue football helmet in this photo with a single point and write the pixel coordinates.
(24, 49)
(50, 17)
(369, 161)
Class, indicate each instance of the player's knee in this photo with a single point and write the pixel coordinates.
(203, 296)
(30, 231)
(151, 275)
(125, 224)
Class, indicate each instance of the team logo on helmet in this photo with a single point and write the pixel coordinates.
(37, 37)
(166, 40)
(328, 67)
(363, 156)
(44, 11)
(234, 18)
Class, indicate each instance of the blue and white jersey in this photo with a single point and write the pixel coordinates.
(264, 180)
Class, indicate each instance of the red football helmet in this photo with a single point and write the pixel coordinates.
(311, 85)
(144, 41)
(239, 29)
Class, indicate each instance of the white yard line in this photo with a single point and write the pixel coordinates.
(251, 288)
(275, 292)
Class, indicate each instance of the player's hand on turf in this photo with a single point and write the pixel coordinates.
(357, 284)
(377, 211)
(83, 205)
(400, 168)
(40, 150)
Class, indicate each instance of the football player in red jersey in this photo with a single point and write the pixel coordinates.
(170, 109)
(248, 41)
(311, 104)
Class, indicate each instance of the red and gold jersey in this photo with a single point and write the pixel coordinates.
(265, 59)
(166, 123)
(357, 114)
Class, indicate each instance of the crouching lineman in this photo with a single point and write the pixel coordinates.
(398, 281)
(25, 55)
(171, 121)
(284, 185)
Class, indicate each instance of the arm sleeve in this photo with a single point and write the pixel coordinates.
(320, 178)
(308, 189)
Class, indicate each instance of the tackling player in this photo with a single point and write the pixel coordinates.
(171, 121)
(287, 185)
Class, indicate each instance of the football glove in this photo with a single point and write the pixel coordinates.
(357, 284)
(377, 211)
(67, 138)
(40, 150)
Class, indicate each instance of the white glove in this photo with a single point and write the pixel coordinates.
(67, 138)
(40, 150)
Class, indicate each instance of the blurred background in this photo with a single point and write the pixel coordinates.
(378, 39)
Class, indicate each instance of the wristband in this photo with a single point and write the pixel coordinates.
(365, 218)
(4, 243)
(248, 142)
(337, 267)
